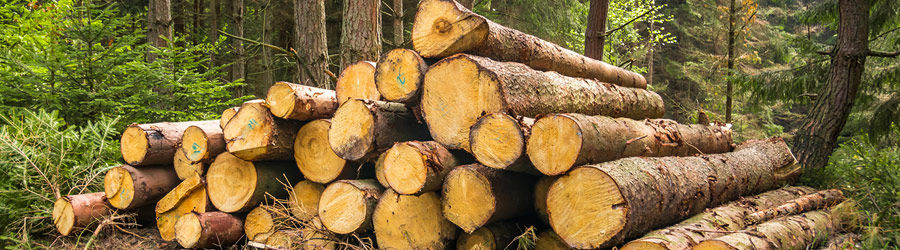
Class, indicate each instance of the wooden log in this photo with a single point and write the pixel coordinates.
(202, 143)
(379, 170)
(549, 240)
(304, 200)
(254, 134)
(475, 195)
(317, 161)
(460, 89)
(357, 81)
(443, 28)
(411, 222)
(185, 168)
(362, 129)
(501, 235)
(559, 142)
(227, 114)
(416, 167)
(399, 74)
(208, 230)
(154, 143)
(346, 206)
(236, 185)
(714, 222)
(299, 102)
(189, 196)
(497, 140)
(127, 187)
(306, 238)
(814, 201)
(601, 205)
(260, 223)
(540, 197)
(77, 212)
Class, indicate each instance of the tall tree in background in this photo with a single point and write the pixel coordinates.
(360, 31)
(740, 16)
(160, 25)
(237, 18)
(398, 23)
(268, 74)
(213, 29)
(595, 35)
(197, 26)
(311, 43)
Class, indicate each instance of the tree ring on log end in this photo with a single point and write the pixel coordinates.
(441, 29)
(305, 199)
(134, 144)
(63, 216)
(483, 238)
(119, 187)
(249, 132)
(357, 81)
(231, 182)
(188, 230)
(554, 144)
(313, 154)
(405, 169)
(195, 144)
(468, 199)
(185, 168)
(497, 140)
(342, 208)
(281, 99)
(259, 224)
(398, 75)
(586, 208)
(352, 132)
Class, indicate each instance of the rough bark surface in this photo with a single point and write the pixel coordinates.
(217, 229)
(160, 143)
(237, 19)
(360, 31)
(310, 42)
(159, 29)
(817, 200)
(306, 103)
(511, 193)
(595, 34)
(146, 186)
(803, 231)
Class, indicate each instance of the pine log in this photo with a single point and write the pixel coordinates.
(189, 196)
(715, 222)
(346, 206)
(399, 74)
(379, 170)
(260, 223)
(443, 28)
(540, 197)
(814, 201)
(202, 143)
(411, 222)
(185, 168)
(595, 206)
(77, 212)
(475, 195)
(304, 200)
(549, 240)
(495, 236)
(362, 129)
(208, 230)
(497, 140)
(236, 185)
(154, 143)
(299, 102)
(305, 238)
(227, 114)
(416, 167)
(559, 142)
(317, 161)
(254, 134)
(357, 81)
(127, 187)
(461, 88)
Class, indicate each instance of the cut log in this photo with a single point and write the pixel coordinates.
(357, 81)
(475, 195)
(411, 222)
(189, 196)
(549, 240)
(316, 160)
(540, 197)
(399, 75)
(236, 185)
(260, 223)
(559, 142)
(127, 187)
(497, 140)
(596, 206)
(154, 143)
(714, 222)
(300, 102)
(227, 114)
(460, 89)
(185, 168)
(379, 171)
(346, 206)
(253, 134)
(77, 212)
(208, 230)
(362, 129)
(499, 235)
(202, 143)
(304, 200)
(814, 201)
(444, 27)
(304, 238)
(417, 167)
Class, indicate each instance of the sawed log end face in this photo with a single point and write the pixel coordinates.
(231, 182)
(195, 144)
(554, 144)
(304, 201)
(346, 206)
(259, 224)
(313, 153)
(468, 199)
(188, 230)
(249, 133)
(357, 81)
(497, 140)
(119, 187)
(134, 144)
(399, 74)
(586, 208)
(281, 99)
(411, 222)
(444, 27)
(405, 169)
(352, 132)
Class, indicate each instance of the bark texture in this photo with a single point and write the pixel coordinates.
(154, 143)
(76, 212)
(310, 42)
(595, 34)
(127, 187)
(360, 31)
(398, 23)
(475, 195)
(299, 102)
(237, 19)
(390, 123)
(217, 229)
(159, 28)
(803, 231)
(406, 162)
(817, 200)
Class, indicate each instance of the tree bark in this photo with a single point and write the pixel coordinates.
(318, 162)
(179, 12)
(399, 74)
(77, 212)
(213, 30)
(311, 43)
(730, 61)
(154, 143)
(817, 138)
(635, 195)
(347, 206)
(475, 195)
(398, 23)
(411, 222)
(254, 134)
(237, 18)
(189, 196)
(362, 129)
(160, 25)
(236, 185)
(497, 140)
(127, 187)
(299, 102)
(460, 89)
(815, 201)
(208, 230)
(268, 74)
(595, 34)
(360, 31)
(407, 162)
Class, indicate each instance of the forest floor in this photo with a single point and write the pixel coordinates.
(126, 238)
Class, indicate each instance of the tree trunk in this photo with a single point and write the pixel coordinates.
(635, 195)
(360, 31)
(460, 89)
(347, 206)
(475, 195)
(227, 114)
(300, 102)
(500, 235)
(310, 42)
(154, 143)
(411, 222)
(208, 230)
(357, 81)
(127, 187)
(268, 74)
(213, 30)
(197, 26)
(362, 129)
(304, 201)
(254, 134)
(237, 17)
(715, 222)
(189, 196)
(816, 139)
(416, 167)
(236, 185)
(318, 162)
(179, 11)
(497, 140)
(595, 35)
(398, 23)
(806, 203)
(443, 28)
(77, 212)
(160, 25)
(560, 142)
(399, 74)
(730, 61)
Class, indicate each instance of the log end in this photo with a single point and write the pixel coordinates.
(231, 182)
(188, 230)
(455, 94)
(411, 222)
(119, 187)
(184, 167)
(259, 224)
(379, 171)
(281, 99)
(405, 169)
(398, 75)
(444, 27)
(195, 144)
(313, 154)
(644, 244)
(468, 199)
(357, 81)
(249, 132)
(554, 144)
(483, 238)
(540, 197)
(304, 200)
(586, 208)
(134, 144)
(342, 208)
(496, 140)
(352, 132)
(714, 245)
(63, 216)
(227, 114)
(192, 201)
(549, 240)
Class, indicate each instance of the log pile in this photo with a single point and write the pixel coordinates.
(504, 131)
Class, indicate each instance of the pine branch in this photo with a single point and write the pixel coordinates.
(610, 32)
(883, 54)
(884, 34)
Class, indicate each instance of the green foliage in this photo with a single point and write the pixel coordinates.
(42, 159)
